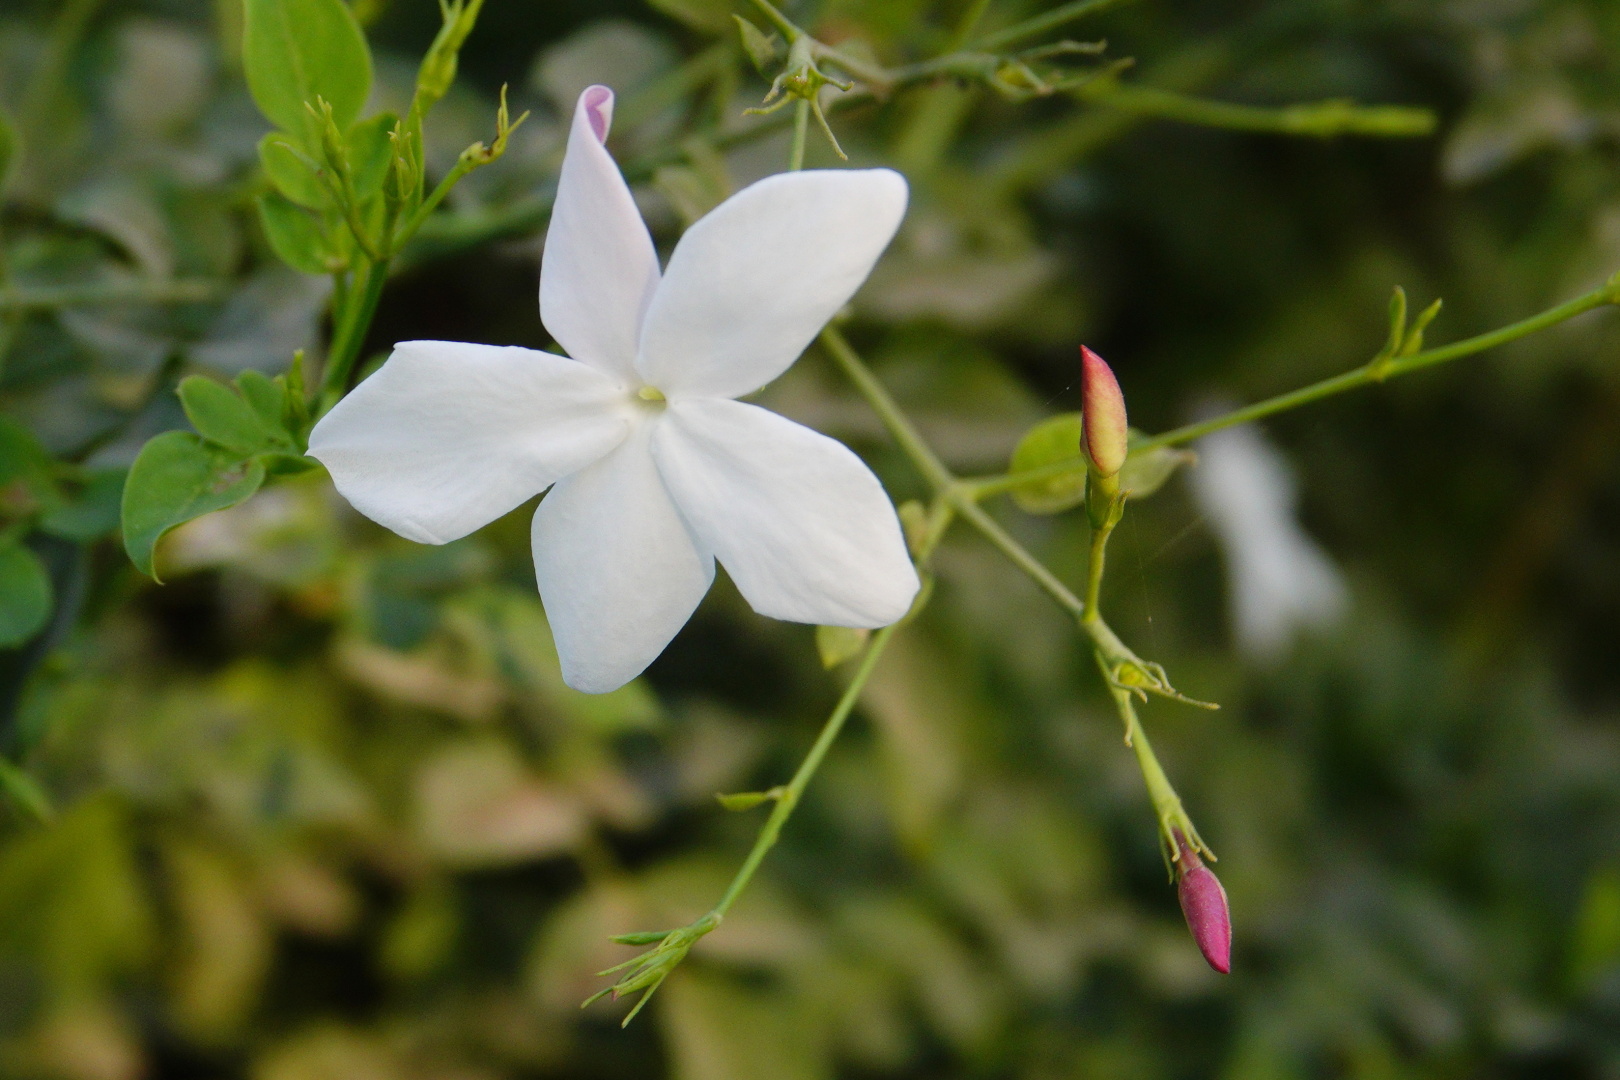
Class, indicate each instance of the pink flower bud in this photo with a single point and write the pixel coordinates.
(1103, 408)
(1203, 902)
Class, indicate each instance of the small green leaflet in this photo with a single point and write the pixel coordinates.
(1055, 443)
(178, 476)
(295, 51)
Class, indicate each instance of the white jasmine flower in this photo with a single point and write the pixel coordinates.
(657, 470)
(1280, 580)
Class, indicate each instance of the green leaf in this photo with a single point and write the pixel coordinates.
(295, 51)
(641, 937)
(25, 793)
(370, 149)
(292, 171)
(1146, 471)
(1055, 443)
(223, 417)
(268, 399)
(25, 595)
(294, 235)
(837, 644)
(1052, 442)
(92, 513)
(178, 477)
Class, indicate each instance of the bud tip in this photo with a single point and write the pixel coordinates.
(1203, 903)
(1103, 408)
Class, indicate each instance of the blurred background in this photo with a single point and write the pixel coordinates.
(319, 807)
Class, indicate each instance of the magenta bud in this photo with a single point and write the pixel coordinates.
(1203, 902)
(1103, 409)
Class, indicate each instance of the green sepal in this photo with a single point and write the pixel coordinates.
(295, 51)
(177, 477)
(25, 593)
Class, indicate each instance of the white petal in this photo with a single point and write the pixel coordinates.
(752, 283)
(798, 521)
(447, 436)
(599, 270)
(619, 573)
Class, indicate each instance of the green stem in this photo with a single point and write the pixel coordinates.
(985, 487)
(1167, 806)
(47, 297)
(788, 800)
(352, 324)
(1019, 556)
(461, 168)
(1040, 24)
(1116, 660)
(801, 129)
(899, 425)
(1323, 119)
(1094, 572)
(959, 495)
(1362, 376)
(783, 24)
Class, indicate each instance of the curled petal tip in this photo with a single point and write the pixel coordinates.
(598, 104)
(1203, 903)
(1103, 407)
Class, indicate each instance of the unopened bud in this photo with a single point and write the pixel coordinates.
(1203, 902)
(1103, 409)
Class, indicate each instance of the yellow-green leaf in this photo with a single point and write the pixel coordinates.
(1052, 443)
(837, 644)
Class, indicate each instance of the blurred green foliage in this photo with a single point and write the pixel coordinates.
(320, 807)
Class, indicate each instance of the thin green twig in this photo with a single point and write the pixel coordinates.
(801, 129)
(1367, 374)
(1364, 375)
(1323, 119)
(1044, 23)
